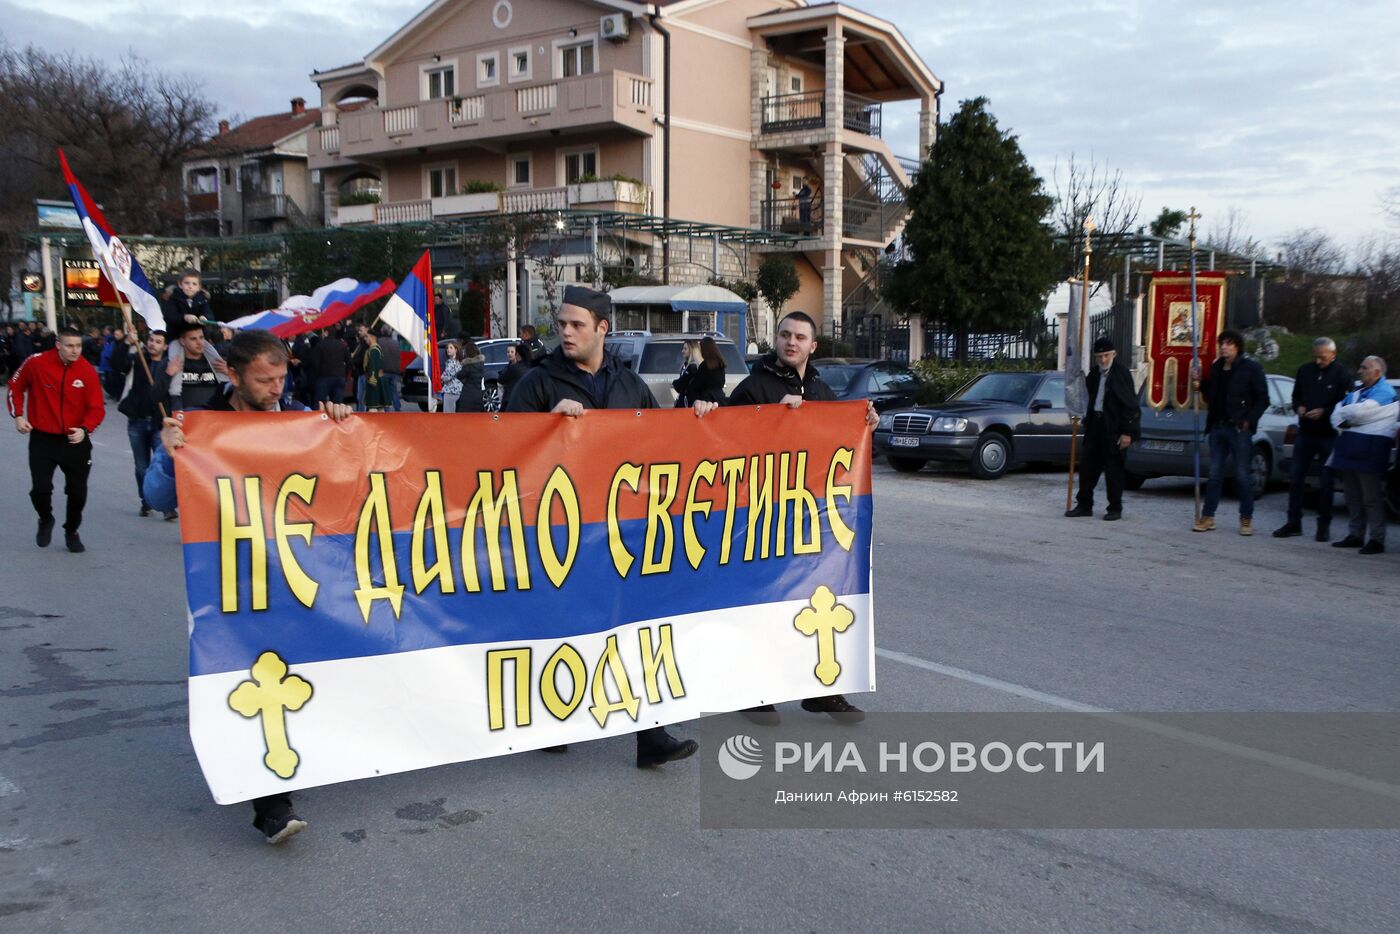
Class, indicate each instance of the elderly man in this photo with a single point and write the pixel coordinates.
(1317, 389)
(1113, 421)
(1366, 419)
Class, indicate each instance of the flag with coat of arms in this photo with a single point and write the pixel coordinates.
(410, 312)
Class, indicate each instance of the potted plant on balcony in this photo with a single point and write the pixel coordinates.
(619, 188)
(357, 207)
(474, 197)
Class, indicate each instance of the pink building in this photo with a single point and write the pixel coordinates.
(734, 126)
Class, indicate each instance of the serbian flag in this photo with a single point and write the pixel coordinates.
(410, 312)
(117, 263)
(328, 305)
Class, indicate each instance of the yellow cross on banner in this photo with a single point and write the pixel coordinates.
(271, 693)
(824, 618)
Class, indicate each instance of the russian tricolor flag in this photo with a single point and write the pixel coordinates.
(328, 305)
(117, 263)
(410, 312)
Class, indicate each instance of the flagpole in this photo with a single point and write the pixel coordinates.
(1195, 368)
(1078, 348)
(131, 329)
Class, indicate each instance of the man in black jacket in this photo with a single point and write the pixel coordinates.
(138, 403)
(1112, 423)
(1236, 395)
(1319, 386)
(329, 363)
(576, 377)
(785, 376)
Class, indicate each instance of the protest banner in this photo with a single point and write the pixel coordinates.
(620, 571)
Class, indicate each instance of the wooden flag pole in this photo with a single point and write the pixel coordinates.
(1089, 228)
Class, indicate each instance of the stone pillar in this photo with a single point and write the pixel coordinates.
(758, 63)
(512, 292)
(833, 175)
(928, 125)
(916, 338)
(835, 77)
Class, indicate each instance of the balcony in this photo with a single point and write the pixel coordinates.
(609, 99)
(199, 203)
(265, 207)
(608, 194)
(791, 113)
(793, 216)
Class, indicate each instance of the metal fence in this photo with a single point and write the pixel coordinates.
(878, 337)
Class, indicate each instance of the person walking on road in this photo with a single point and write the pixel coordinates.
(1113, 422)
(1236, 395)
(329, 361)
(1366, 419)
(137, 401)
(785, 376)
(577, 376)
(62, 396)
(1317, 389)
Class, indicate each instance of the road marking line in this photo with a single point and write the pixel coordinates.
(1288, 763)
(7, 787)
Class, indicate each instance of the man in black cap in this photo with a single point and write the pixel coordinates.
(1112, 423)
(576, 377)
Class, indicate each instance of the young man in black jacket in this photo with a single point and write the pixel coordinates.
(138, 403)
(1112, 423)
(1319, 386)
(785, 376)
(579, 375)
(1236, 395)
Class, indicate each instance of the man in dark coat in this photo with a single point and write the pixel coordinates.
(1236, 395)
(1321, 384)
(137, 401)
(1113, 422)
(576, 377)
(785, 376)
(329, 364)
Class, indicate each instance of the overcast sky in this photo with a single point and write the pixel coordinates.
(1287, 111)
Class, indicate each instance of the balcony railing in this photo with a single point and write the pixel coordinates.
(534, 199)
(201, 202)
(784, 113)
(330, 139)
(266, 207)
(401, 120)
(404, 212)
(871, 220)
(538, 99)
(466, 109)
(861, 115)
(801, 216)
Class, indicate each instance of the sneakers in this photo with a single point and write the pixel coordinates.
(660, 747)
(45, 533)
(74, 543)
(1372, 547)
(145, 510)
(279, 828)
(763, 715)
(1351, 541)
(1079, 512)
(171, 516)
(1204, 524)
(837, 706)
(1246, 526)
(1288, 530)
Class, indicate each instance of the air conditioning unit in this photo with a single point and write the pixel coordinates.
(615, 26)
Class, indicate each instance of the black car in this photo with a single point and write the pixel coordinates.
(415, 383)
(888, 385)
(995, 421)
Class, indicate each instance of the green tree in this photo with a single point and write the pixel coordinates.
(777, 281)
(982, 253)
(1168, 224)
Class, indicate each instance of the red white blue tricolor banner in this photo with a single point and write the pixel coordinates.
(328, 305)
(410, 312)
(118, 265)
(374, 596)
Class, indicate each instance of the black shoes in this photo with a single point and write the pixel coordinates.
(1288, 530)
(171, 516)
(763, 715)
(1113, 515)
(837, 706)
(659, 747)
(45, 533)
(74, 543)
(1079, 512)
(1351, 541)
(1372, 547)
(145, 510)
(279, 828)
(561, 748)
(1324, 532)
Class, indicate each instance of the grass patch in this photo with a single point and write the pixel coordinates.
(1294, 350)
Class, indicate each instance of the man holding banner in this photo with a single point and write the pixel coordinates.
(576, 377)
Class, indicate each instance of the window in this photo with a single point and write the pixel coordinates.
(439, 83)
(1054, 391)
(442, 181)
(202, 181)
(795, 84)
(519, 63)
(577, 59)
(520, 171)
(580, 165)
(228, 175)
(488, 70)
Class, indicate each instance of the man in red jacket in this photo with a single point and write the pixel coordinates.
(65, 408)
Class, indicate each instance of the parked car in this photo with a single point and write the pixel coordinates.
(1164, 450)
(656, 358)
(415, 383)
(885, 383)
(995, 421)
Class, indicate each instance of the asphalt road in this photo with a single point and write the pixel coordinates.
(987, 600)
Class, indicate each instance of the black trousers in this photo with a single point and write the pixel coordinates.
(1305, 449)
(270, 806)
(47, 452)
(1101, 457)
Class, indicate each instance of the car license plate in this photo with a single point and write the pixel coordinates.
(1166, 447)
(903, 442)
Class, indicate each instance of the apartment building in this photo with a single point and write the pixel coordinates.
(254, 178)
(710, 117)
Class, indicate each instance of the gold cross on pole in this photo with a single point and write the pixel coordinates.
(1193, 217)
(271, 693)
(824, 618)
